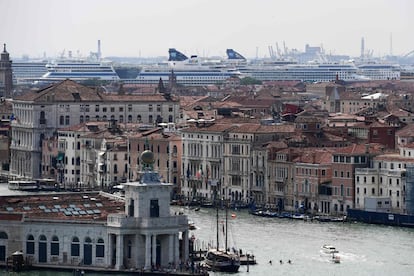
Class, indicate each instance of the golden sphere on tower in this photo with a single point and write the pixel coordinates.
(147, 157)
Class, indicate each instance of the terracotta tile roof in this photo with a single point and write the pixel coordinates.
(218, 128)
(258, 128)
(315, 156)
(378, 124)
(136, 97)
(410, 145)
(401, 113)
(91, 206)
(360, 125)
(358, 149)
(277, 145)
(407, 131)
(71, 91)
(394, 157)
(65, 91)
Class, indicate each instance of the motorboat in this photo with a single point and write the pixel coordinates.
(191, 225)
(329, 249)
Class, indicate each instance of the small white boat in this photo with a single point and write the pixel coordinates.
(191, 225)
(329, 249)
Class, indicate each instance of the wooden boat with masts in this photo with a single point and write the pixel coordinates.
(222, 259)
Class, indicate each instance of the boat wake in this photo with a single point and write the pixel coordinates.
(351, 257)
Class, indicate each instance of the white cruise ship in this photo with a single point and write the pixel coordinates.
(187, 71)
(288, 70)
(26, 72)
(324, 72)
(380, 71)
(79, 70)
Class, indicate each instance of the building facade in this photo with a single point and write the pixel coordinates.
(97, 230)
(40, 114)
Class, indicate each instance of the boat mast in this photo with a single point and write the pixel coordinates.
(226, 224)
(217, 225)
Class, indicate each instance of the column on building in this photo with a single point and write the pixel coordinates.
(147, 251)
(154, 249)
(119, 251)
(185, 245)
(176, 249)
(110, 250)
(171, 248)
(137, 249)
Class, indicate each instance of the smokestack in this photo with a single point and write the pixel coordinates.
(99, 49)
(362, 48)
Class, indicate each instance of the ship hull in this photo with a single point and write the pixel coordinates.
(392, 219)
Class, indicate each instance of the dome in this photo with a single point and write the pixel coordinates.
(147, 157)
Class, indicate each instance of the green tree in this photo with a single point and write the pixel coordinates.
(249, 81)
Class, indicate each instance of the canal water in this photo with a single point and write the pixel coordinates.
(363, 249)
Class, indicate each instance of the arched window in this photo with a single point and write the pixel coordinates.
(3, 236)
(121, 118)
(74, 248)
(30, 245)
(100, 248)
(81, 119)
(129, 118)
(104, 118)
(62, 120)
(139, 119)
(54, 246)
(175, 149)
(88, 240)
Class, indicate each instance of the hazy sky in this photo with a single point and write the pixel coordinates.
(204, 27)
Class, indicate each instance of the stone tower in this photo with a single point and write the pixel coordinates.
(158, 237)
(6, 76)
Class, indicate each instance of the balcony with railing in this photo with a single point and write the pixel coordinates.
(122, 221)
(394, 173)
(366, 171)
